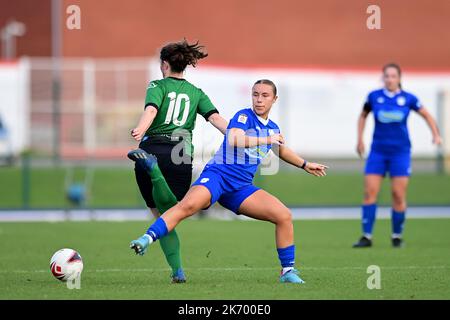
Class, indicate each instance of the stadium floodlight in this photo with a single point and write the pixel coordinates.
(9, 33)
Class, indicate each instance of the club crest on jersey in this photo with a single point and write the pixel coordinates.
(401, 101)
(242, 118)
(152, 85)
(380, 100)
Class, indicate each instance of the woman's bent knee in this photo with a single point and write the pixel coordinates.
(283, 217)
(187, 206)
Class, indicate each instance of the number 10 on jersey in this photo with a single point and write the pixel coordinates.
(173, 112)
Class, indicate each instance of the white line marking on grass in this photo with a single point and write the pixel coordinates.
(234, 269)
(302, 213)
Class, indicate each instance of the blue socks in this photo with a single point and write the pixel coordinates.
(398, 219)
(369, 212)
(158, 229)
(287, 256)
(368, 220)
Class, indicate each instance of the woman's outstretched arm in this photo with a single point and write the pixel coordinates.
(238, 138)
(289, 156)
(219, 122)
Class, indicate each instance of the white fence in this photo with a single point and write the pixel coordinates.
(14, 106)
(100, 100)
(318, 110)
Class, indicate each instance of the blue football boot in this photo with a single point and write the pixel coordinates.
(140, 245)
(143, 158)
(292, 276)
(178, 277)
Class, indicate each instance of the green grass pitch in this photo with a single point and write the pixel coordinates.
(116, 187)
(227, 260)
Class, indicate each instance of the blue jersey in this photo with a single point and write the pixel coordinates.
(391, 111)
(241, 164)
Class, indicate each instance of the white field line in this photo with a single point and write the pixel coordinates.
(306, 213)
(233, 269)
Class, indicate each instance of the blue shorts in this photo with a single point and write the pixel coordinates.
(398, 164)
(224, 189)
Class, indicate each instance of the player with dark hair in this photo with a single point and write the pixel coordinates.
(171, 108)
(390, 151)
(228, 176)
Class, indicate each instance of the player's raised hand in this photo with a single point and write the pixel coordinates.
(276, 139)
(137, 134)
(316, 169)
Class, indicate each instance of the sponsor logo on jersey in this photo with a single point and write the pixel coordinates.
(242, 118)
(380, 100)
(204, 180)
(390, 116)
(401, 101)
(259, 152)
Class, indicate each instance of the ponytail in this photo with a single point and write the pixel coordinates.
(181, 54)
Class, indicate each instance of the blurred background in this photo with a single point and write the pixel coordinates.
(69, 97)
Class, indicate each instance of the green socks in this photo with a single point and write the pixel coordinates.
(164, 200)
(170, 245)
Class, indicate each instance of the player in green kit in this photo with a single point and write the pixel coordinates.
(165, 131)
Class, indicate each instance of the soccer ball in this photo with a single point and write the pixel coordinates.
(66, 265)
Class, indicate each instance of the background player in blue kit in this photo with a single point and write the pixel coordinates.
(390, 151)
(227, 178)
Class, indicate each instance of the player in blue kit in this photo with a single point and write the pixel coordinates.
(228, 176)
(390, 151)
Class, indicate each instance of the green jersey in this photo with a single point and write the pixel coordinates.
(178, 102)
